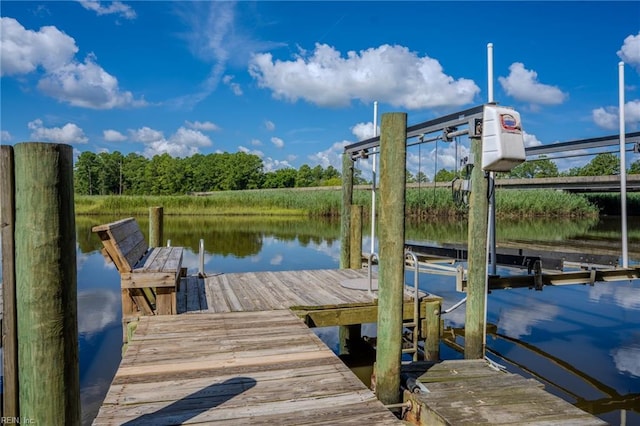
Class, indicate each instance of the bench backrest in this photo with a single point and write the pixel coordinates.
(123, 242)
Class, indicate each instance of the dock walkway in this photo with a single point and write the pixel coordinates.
(235, 368)
(241, 352)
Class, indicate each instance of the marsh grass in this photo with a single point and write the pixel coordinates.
(420, 202)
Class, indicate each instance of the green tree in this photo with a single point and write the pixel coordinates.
(602, 165)
(444, 175)
(304, 178)
(281, 178)
(86, 172)
(635, 168)
(540, 168)
(421, 177)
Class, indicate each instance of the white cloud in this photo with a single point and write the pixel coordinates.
(5, 136)
(113, 136)
(291, 157)
(390, 74)
(626, 359)
(269, 125)
(522, 84)
(363, 130)
(235, 87)
(279, 143)
(250, 151)
(270, 164)
(608, 118)
(190, 137)
(183, 143)
(276, 260)
(97, 309)
(530, 140)
(145, 135)
(517, 321)
(256, 142)
(22, 50)
(630, 50)
(206, 126)
(116, 7)
(84, 84)
(331, 156)
(87, 85)
(69, 133)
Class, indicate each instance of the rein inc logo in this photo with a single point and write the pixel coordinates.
(509, 123)
(17, 421)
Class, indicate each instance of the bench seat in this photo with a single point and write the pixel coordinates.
(149, 277)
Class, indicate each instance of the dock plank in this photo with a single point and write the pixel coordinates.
(469, 392)
(238, 367)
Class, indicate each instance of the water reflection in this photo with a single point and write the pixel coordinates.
(593, 329)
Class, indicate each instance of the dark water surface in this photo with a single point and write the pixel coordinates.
(582, 341)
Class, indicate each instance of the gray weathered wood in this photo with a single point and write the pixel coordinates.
(393, 151)
(156, 226)
(10, 394)
(477, 261)
(242, 368)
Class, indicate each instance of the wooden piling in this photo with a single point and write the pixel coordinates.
(156, 226)
(432, 330)
(46, 284)
(355, 239)
(345, 215)
(393, 154)
(10, 396)
(477, 257)
(347, 334)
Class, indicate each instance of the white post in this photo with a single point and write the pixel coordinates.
(623, 170)
(373, 180)
(492, 176)
(201, 258)
(491, 225)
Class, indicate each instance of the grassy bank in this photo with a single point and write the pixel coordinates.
(425, 202)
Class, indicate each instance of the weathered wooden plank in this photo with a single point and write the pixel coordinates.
(241, 368)
(229, 296)
(165, 300)
(148, 279)
(489, 396)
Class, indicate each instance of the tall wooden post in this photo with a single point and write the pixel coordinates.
(46, 284)
(156, 226)
(432, 330)
(355, 252)
(477, 257)
(10, 396)
(393, 152)
(345, 215)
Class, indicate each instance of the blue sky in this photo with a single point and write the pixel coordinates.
(294, 82)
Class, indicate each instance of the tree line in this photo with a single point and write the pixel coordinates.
(133, 174)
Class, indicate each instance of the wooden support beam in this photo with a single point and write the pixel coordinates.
(10, 394)
(393, 153)
(345, 215)
(432, 330)
(355, 255)
(477, 257)
(156, 226)
(46, 284)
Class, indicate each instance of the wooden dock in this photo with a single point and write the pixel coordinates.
(317, 296)
(235, 368)
(241, 352)
(470, 392)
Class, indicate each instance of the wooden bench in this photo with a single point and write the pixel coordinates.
(149, 277)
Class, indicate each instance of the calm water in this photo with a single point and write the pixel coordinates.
(583, 341)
